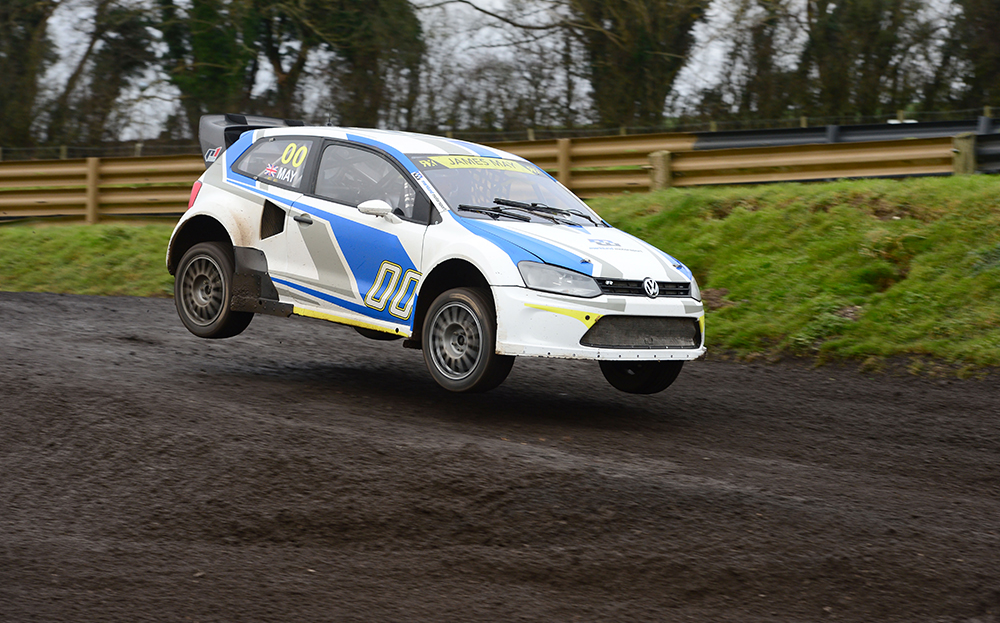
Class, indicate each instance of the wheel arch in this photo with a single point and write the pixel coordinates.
(453, 273)
(200, 228)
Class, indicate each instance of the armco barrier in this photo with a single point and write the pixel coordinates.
(988, 153)
(932, 156)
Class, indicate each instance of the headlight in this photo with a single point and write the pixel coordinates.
(695, 290)
(559, 280)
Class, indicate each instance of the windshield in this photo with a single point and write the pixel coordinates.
(467, 182)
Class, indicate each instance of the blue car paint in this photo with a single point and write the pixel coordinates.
(351, 305)
(519, 246)
(364, 248)
(392, 151)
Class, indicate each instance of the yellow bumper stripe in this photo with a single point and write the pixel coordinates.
(587, 318)
(309, 313)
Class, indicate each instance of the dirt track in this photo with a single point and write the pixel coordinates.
(302, 473)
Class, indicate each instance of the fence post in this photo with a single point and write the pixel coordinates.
(63, 152)
(93, 197)
(562, 161)
(963, 148)
(138, 149)
(660, 176)
(987, 111)
(531, 134)
(803, 121)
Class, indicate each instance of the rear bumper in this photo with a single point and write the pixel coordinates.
(537, 324)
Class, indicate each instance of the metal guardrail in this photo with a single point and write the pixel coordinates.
(860, 133)
(92, 188)
(988, 153)
(899, 158)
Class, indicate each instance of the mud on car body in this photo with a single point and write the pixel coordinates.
(474, 255)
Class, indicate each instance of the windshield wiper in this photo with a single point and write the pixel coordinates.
(537, 209)
(495, 213)
(542, 209)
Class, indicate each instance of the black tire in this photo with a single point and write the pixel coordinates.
(459, 342)
(641, 377)
(203, 292)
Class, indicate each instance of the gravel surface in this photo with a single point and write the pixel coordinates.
(300, 472)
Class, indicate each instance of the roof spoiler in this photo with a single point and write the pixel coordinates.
(217, 132)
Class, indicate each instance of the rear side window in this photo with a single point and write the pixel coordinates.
(278, 161)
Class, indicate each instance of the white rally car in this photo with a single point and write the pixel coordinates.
(472, 254)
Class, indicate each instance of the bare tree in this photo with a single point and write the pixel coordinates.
(634, 49)
(25, 52)
(117, 49)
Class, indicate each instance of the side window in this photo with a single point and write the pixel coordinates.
(351, 176)
(280, 161)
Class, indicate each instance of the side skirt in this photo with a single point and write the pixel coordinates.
(253, 290)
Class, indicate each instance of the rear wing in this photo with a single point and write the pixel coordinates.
(217, 132)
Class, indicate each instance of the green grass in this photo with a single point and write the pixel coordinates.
(854, 269)
(86, 259)
(849, 269)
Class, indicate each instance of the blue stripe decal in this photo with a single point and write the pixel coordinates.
(248, 183)
(236, 149)
(680, 266)
(392, 151)
(364, 248)
(512, 250)
(232, 155)
(479, 150)
(524, 247)
(329, 298)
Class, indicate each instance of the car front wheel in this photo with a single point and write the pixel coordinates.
(203, 292)
(459, 342)
(641, 377)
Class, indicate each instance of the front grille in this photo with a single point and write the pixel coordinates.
(643, 332)
(632, 287)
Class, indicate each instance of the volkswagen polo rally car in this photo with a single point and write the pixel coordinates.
(474, 255)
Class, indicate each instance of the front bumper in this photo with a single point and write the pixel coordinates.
(538, 324)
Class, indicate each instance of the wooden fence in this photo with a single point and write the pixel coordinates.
(612, 165)
(89, 188)
(92, 188)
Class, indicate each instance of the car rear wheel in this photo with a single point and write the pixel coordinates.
(641, 377)
(459, 342)
(203, 291)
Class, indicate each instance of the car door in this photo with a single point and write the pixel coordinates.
(355, 266)
(280, 167)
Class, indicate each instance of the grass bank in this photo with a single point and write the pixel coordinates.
(85, 259)
(867, 269)
(859, 269)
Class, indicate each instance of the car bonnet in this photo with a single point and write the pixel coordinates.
(595, 251)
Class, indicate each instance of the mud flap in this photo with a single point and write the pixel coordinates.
(253, 290)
